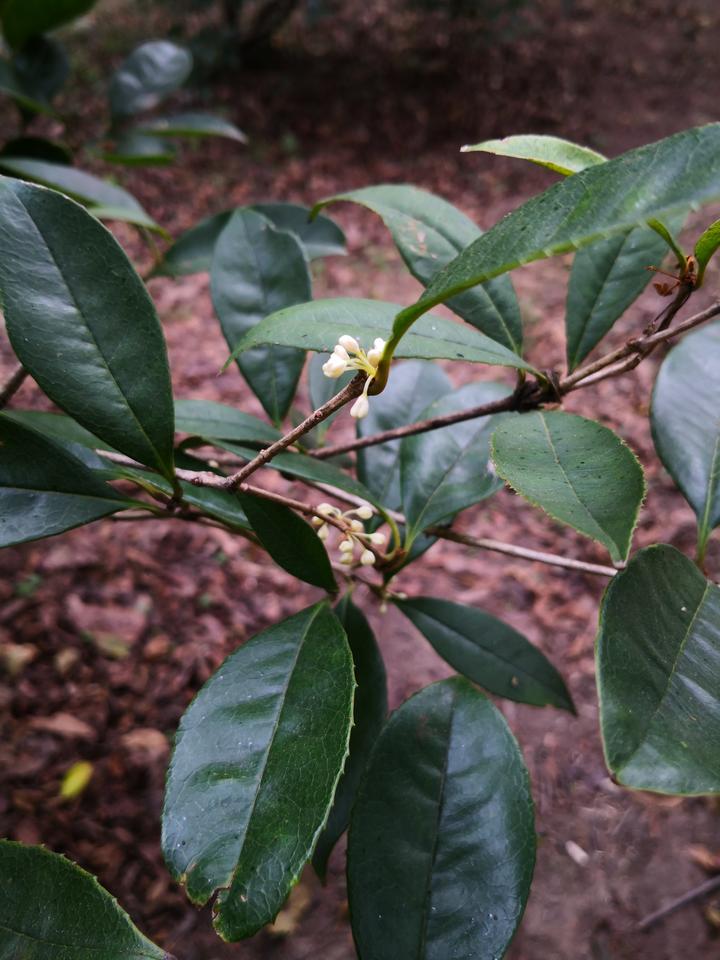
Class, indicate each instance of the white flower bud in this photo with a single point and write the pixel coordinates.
(341, 352)
(367, 558)
(327, 509)
(379, 344)
(365, 511)
(360, 408)
(377, 538)
(347, 559)
(346, 546)
(323, 531)
(349, 343)
(356, 526)
(317, 521)
(334, 367)
(374, 357)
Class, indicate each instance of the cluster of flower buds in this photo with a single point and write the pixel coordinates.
(354, 537)
(349, 355)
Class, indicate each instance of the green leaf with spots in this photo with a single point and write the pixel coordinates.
(291, 542)
(258, 756)
(429, 232)
(44, 489)
(81, 322)
(685, 418)
(444, 471)
(558, 155)
(577, 471)
(257, 270)
(369, 712)
(318, 325)
(488, 652)
(442, 840)
(658, 670)
(50, 909)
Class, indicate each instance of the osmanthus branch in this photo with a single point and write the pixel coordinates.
(12, 385)
(531, 396)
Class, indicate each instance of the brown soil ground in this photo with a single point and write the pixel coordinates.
(120, 623)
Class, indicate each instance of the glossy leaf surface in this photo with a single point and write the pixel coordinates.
(675, 174)
(291, 542)
(488, 652)
(317, 326)
(369, 712)
(605, 280)
(444, 471)
(70, 292)
(205, 418)
(412, 386)
(44, 490)
(577, 471)
(558, 155)
(257, 270)
(442, 840)
(706, 247)
(192, 125)
(429, 232)
(685, 422)
(50, 909)
(149, 74)
(658, 668)
(257, 758)
(319, 237)
(135, 149)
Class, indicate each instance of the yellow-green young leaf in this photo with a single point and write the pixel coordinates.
(658, 670)
(441, 847)
(50, 909)
(667, 235)
(577, 471)
(488, 652)
(685, 418)
(556, 154)
(318, 325)
(429, 232)
(76, 779)
(706, 247)
(256, 762)
(679, 173)
(81, 322)
(369, 712)
(44, 490)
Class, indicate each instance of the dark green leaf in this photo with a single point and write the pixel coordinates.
(50, 909)
(23, 19)
(10, 85)
(192, 125)
(686, 427)
(319, 237)
(208, 419)
(291, 542)
(369, 712)
(442, 841)
(706, 247)
(45, 490)
(192, 252)
(37, 148)
(560, 156)
(658, 667)
(317, 326)
(577, 471)
(138, 149)
(258, 756)
(77, 184)
(488, 651)
(605, 280)
(147, 76)
(41, 67)
(412, 386)
(679, 173)
(444, 471)
(429, 232)
(257, 270)
(82, 323)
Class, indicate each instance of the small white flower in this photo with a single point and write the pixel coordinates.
(367, 558)
(346, 546)
(365, 512)
(323, 531)
(334, 367)
(379, 344)
(356, 526)
(349, 343)
(374, 357)
(378, 539)
(341, 352)
(360, 408)
(327, 510)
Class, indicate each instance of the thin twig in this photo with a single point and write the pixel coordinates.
(12, 385)
(702, 890)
